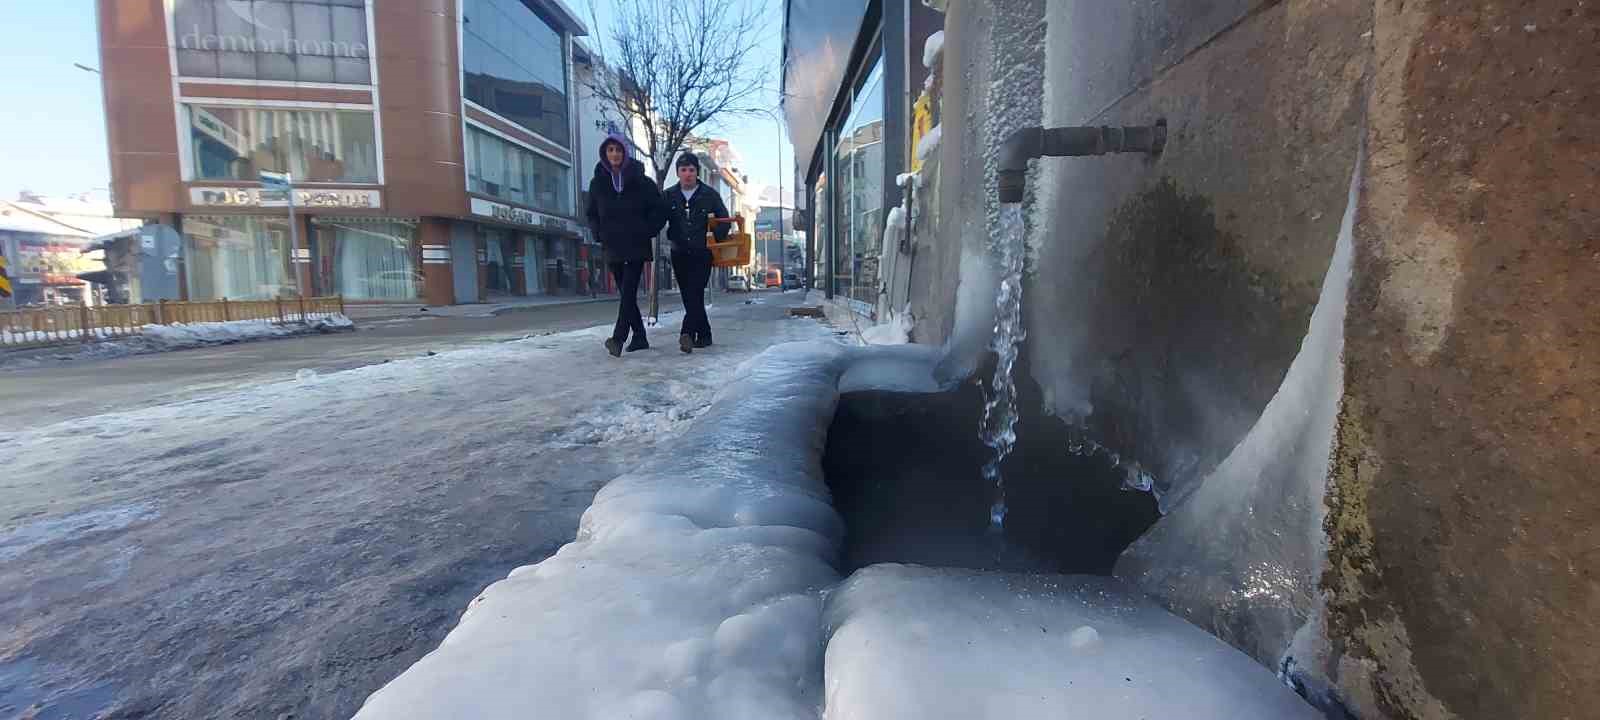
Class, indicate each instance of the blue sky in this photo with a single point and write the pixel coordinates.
(52, 130)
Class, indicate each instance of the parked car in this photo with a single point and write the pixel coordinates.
(791, 281)
(737, 283)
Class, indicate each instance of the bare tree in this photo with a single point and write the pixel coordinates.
(671, 67)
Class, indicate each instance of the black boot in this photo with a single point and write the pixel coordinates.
(639, 343)
(614, 346)
(702, 340)
(686, 343)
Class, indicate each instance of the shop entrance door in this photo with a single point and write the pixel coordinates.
(464, 263)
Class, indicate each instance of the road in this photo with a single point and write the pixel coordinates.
(282, 547)
(45, 394)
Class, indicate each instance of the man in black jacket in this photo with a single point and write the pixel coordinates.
(688, 206)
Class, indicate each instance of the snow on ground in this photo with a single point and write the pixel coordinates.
(163, 338)
(703, 585)
(915, 642)
(896, 330)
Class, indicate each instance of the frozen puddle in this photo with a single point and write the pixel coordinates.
(705, 585)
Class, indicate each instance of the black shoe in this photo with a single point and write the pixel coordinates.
(614, 346)
(639, 343)
(686, 343)
(703, 340)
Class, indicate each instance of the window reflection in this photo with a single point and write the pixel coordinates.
(515, 66)
(506, 170)
(286, 40)
(858, 212)
(237, 143)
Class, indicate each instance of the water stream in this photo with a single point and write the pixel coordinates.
(999, 425)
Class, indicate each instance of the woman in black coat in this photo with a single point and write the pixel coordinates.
(625, 213)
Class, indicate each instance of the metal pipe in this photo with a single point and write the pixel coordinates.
(1024, 144)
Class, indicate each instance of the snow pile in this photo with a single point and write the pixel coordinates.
(929, 142)
(915, 642)
(693, 589)
(908, 180)
(182, 335)
(933, 49)
(163, 338)
(895, 331)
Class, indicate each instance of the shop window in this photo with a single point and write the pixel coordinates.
(237, 143)
(506, 170)
(367, 259)
(858, 196)
(239, 257)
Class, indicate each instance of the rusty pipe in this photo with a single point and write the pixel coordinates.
(1024, 144)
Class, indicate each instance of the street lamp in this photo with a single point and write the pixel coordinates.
(85, 68)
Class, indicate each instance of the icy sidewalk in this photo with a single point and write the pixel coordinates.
(288, 548)
(704, 586)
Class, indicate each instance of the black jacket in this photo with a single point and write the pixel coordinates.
(625, 223)
(686, 220)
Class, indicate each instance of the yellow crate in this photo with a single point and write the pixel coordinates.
(733, 252)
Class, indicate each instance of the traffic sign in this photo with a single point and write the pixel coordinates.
(5, 280)
(274, 180)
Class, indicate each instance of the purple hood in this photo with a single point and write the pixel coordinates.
(627, 159)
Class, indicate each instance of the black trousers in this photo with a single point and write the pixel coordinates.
(693, 270)
(627, 275)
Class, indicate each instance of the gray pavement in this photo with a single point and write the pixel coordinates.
(46, 394)
(259, 549)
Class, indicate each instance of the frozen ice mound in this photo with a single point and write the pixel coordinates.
(915, 642)
(704, 585)
(694, 587)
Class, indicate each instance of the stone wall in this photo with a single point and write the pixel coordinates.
(1403, 528)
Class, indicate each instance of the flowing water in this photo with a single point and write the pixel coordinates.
(999, 426)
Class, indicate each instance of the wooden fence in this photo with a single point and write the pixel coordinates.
(39, 327)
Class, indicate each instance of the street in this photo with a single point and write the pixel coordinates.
(216, 534)
(38, 394)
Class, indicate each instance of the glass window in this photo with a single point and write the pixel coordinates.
(236, 143)
(503, 169)
(515, 66)
(858, 207)
(293, 40)
(367, 259)
(237, 257)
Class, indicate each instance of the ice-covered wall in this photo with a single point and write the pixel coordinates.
(1430, 488)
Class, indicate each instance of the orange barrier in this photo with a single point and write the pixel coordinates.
(41, 327)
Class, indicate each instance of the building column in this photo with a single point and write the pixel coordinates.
(518, 271)
(481, 246)
(301, 256)
(438, 283)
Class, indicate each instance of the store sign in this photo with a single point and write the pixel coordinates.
(521, 216)
(304, 198)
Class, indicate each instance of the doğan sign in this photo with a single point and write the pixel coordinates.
(521, 216)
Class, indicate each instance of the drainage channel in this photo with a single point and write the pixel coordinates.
(906, 475)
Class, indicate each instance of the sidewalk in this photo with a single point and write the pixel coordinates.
(499, 306)
(369, 506)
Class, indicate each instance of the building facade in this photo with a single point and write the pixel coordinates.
(854, 75)
(430, 144)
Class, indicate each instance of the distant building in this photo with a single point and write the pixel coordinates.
(433, 150)
(46, 242)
